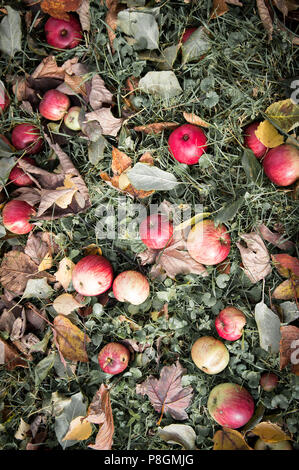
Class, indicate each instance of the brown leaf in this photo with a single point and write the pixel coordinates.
(147, 158)
(287, 290)
(60, 8)
(38, 250)
(289, 347)
(100, 412)
(220, 7)
(110, 125)
(275, 238)
(255, 257)
(286, 265)
(84, 15)
(270, 432)
(99, 94)
(265, 17)
(192, 118)
(111, 20)
(120, 161)
(10, 357)
(166, 393)
(70, 339)
(156, 127)
(229, 439)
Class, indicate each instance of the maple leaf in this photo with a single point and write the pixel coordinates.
(100, 412)
(166, 393)
(60, 8)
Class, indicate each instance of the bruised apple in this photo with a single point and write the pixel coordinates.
(18, 177)
(27, 137)
(268, 381)
(114, 358)
(92, 275)
(16, 215)
(132, 287)
(229, 323)
(156, 231)
(252, 142)
(208, 244)
(230, 405)
(187, 143)
(63, 34)
(210, 355)
(281, 164)
(54, 105)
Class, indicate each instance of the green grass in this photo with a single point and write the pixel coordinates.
(246, 72)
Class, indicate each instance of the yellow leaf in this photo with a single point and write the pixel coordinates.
(287, 290)
(22, 431)
(79, 430)
(66, 198)
(70, 339)
(46, 263)
(65, 304)
(92, 249)
(268, 135)
(190, 222)
(64, 273)
(229, 439)
(270, 432)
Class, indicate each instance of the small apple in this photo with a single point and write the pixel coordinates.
(229, 323)
(282, 445)
(230, 405)
(27, 137)
(187, 143)
(210, 355)
(71, 119)
(63, 34)
(114, 358)
(92, 275)
(132, 287)
(188, 33)
(208, 244)
(16, 215)
(252, 142)
(281, 164)
(54, 105)
(4, 99)
(268, 381)
(156, 231)
(19, 177)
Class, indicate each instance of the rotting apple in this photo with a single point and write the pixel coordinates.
(71, 118)
(269, 381)
(281, 164)
(188, 33)
(132, 287)
(63, 34)
(252, 142)
(187, 143)
(114, 358)
(208, 244)
(92, 275)
(16, 215)
(18, 177)
(156, 231)
(282, 445)
(229, 323)
(210, 355)
(230, 405)
(54, 105)
(27, 137)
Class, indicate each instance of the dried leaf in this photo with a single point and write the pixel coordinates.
(268, 134)
(156, 127)
(10, 357)
(289, 348)
(65, 304)
(192, 118)
(100, 406)
(275, 238)
(111, 20)
(287, 290)
(181, 434)
(120, 161)
(39, 251)
(229, 439)
(70, 339)
(110, 125)
(60, 8)
(166, 393)
(64, 273)
(84, 15)
(79, 430)
(99, 94)
(255, 257)
(285, 114)
(265, 17)
(268, 324)
(270, 432)
(22, 431)
(286, 265)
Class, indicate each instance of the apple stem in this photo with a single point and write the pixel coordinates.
(185, 137)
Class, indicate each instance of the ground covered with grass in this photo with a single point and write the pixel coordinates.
(240, 76)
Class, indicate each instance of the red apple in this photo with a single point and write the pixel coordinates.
(132, 287)
(230, 405)
(188, 33)
(187, 143)
(54, 105)
(114, 358)
(210, 355)
(268, 381)
(92, 275)
(282, 445)
(16, 215)
(156, 231)
(252, 142)
(281, 164)
(27, 137)
(71, 119)
(19, 177)
(63, 34)
(208, 244)
(4, 99)
(229, 323)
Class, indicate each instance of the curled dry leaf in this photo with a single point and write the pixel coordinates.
(156, 127)
(167, 395)
(114, 8)
(179, 434)
(289, 348)
(84, 15)
(10, 357)
(70, 339)
(275, 238)
(99, 94)
(265, 17)
(255, 257)
(229, 439)
(110, 125)
(100, 412)
(192, 118)
(60, 8)
(120, 161)
(270, 432)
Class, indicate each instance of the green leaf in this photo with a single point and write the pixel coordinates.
(196, 46)
(143, 27)
(211, 99)
(96, 150)
(228, 212)
(268, 325)
(162, 84)
(10, 32)
(6, 165)
(38, 288)
(251, 166)
(147, 178)
(42, 369)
